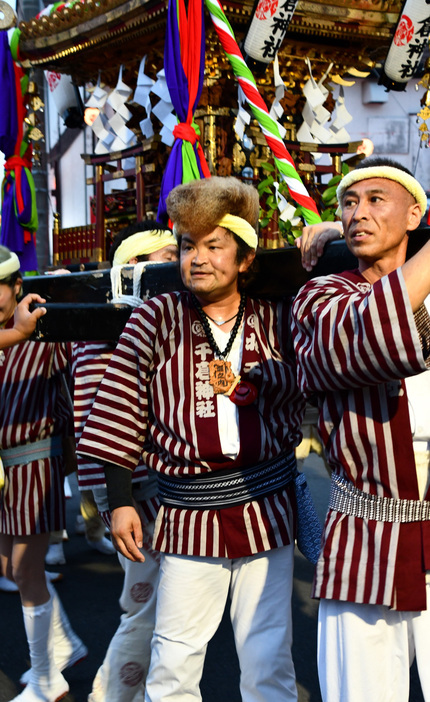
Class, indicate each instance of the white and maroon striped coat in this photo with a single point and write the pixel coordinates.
(355, 343)
(89, 363)
(156, 394)
(33, 407)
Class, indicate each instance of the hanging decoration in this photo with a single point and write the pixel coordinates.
(141, 97)
(269, 126)
(315, 126)
(116, 100)
(163, 110)
(339, 135)
(267, 31)
(409, 41)
(315, 115)
(184, 63)
(66, 98)
(19, 219)
(243, 118)
(110, 126)
(100, 126)
(423, 116)
(276, 110)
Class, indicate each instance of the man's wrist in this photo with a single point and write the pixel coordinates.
(119, 486)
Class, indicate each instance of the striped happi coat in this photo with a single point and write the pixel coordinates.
(355, 343)
(89, 363)
(33, 407)
(156, 396)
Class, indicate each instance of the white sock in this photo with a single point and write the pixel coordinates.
(46, 682)
(37, 622)
(65, 641)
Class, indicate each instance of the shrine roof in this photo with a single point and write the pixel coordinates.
(95, 37)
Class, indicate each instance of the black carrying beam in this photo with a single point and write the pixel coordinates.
(79, 308)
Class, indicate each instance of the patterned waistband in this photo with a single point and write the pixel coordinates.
(230, 488)
(346, 498)
(45, 448)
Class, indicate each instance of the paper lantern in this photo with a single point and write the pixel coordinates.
(409, 41)
(267, 31)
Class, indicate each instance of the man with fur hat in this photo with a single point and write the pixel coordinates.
(203, 381)
(358, 337)
(121, 676)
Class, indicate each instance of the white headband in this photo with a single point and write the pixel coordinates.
(391, 173)
(242, 228)
(239, 226)
(142, 244)
(11, 265)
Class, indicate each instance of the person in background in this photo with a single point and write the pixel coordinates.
(34, 417)
(24, 320)
(122, 675)
(362, 341)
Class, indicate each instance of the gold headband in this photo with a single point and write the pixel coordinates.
(242, 228)
(391, 173)
(11, 265)
(142, 244)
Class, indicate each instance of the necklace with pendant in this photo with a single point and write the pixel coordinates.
(221, 376)
(221, 322)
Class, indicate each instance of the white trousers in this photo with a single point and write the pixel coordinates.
(122, 675)
(191, 598)
(365, 651)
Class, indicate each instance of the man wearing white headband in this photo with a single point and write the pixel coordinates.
(360, 337)
(34, 418)
(121, 677)
(203, 381)
(24, 320)
(143, 241)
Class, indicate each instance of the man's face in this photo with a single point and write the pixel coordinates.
(209, 267)
(377, 213)
(8, 301)
(164, 255)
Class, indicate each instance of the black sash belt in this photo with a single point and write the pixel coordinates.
(227, 488)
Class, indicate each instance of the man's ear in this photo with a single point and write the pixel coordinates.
(245, 264)
(17, 287)
(414, 217)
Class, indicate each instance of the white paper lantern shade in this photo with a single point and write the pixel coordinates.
(267, 31)
(409, 41)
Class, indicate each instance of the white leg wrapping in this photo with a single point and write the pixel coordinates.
(68, 647)
(46, 684)
(122, 675)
